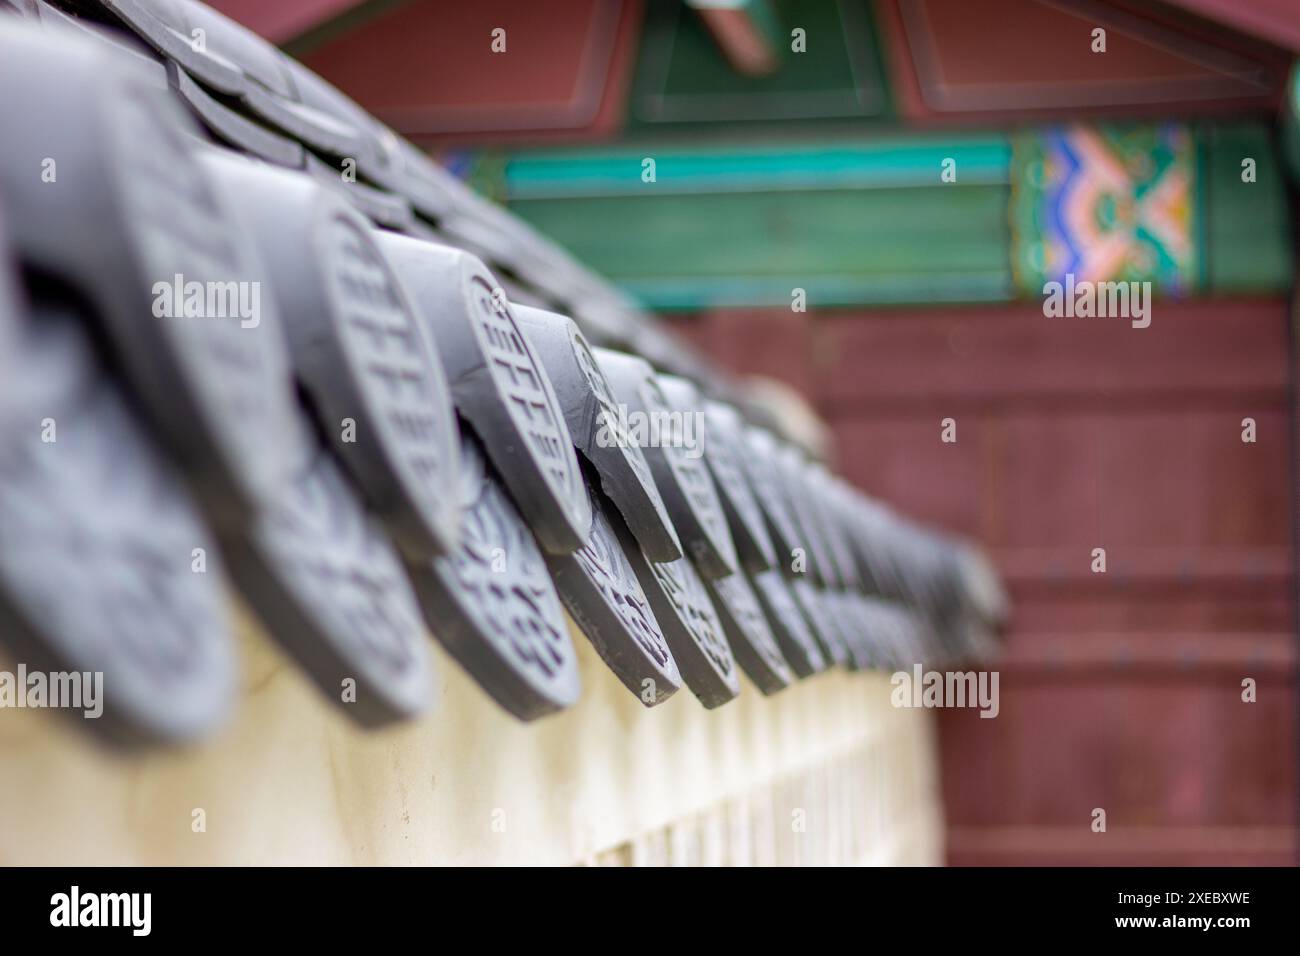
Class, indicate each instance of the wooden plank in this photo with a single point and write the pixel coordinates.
(1127, 846)
(1205, 350)
(1128, 481)
(1150, 750)
(1143, 656)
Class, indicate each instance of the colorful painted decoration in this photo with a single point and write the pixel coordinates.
(1104, 204)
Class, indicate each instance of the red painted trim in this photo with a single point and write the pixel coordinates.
(495, 112)
(1274, 21)
(1178, 29)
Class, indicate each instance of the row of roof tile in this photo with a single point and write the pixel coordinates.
(365, 407)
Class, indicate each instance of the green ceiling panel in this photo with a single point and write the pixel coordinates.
(683, 77)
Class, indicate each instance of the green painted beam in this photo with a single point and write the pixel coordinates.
(1245, 226)
(842, 246)
(849, 222)
(862, 222)
(880, 163)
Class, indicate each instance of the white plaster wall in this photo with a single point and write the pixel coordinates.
(824, 772)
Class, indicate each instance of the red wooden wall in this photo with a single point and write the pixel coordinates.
(1119, 690)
